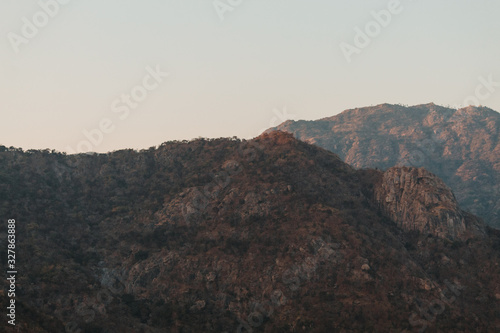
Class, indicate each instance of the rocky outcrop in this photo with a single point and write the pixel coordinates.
(461, 146)
(416, 199)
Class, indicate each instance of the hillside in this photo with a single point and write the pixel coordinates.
(462, 146)
(266, 235)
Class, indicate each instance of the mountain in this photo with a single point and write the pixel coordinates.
(228, 235)
(461, 146)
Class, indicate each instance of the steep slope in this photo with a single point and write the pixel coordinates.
(267, 235)
(415, 199)
(460, 146)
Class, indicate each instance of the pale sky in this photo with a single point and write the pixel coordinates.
(265, 61)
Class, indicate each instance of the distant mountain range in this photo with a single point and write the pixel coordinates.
(461, 146)
(227, 235)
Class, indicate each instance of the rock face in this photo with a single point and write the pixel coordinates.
(418, 200)
(266, 235)
(461, 147)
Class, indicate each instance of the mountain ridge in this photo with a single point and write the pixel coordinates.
(461, 146)
(270, 234)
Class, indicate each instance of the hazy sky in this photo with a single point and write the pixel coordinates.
(235, 66)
